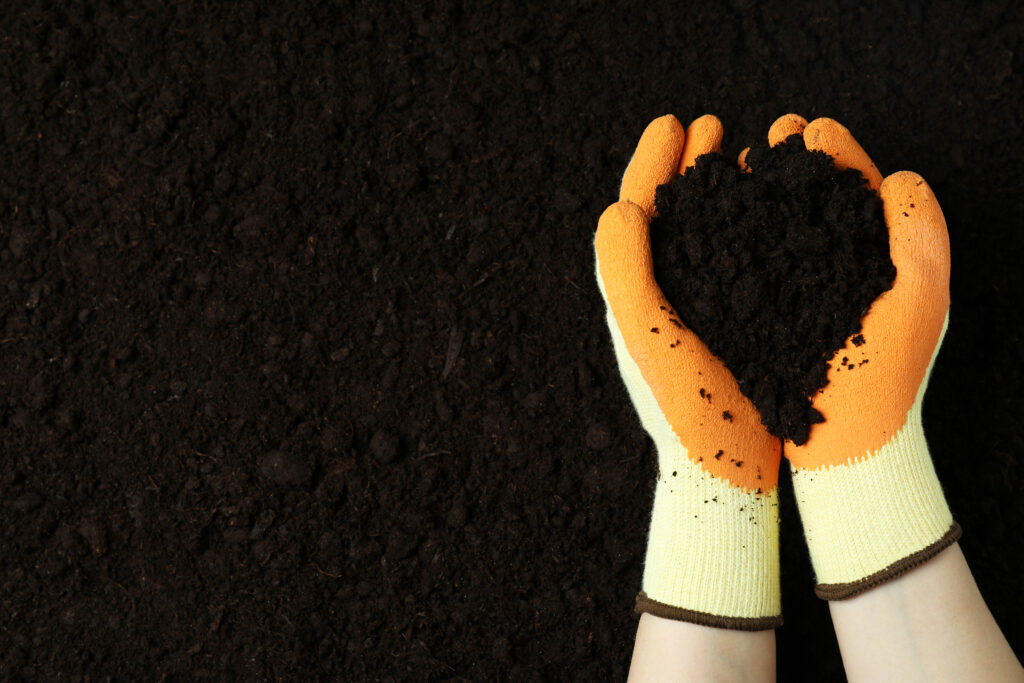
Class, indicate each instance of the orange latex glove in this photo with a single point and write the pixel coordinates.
(712, 552)
(870, 501)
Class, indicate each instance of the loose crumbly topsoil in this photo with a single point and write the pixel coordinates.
(773, 269)
(304, 372)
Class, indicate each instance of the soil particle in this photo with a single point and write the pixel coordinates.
(27, 502)
(456, 514)
(95, 534)
(263, 522)
(598, 436)
(283, 467)
(385, 447)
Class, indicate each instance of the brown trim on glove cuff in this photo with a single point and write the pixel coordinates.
(845, 591)
(660, 609)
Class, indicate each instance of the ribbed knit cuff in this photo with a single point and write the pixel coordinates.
(712, 553)
(658, 609)
(869, 521)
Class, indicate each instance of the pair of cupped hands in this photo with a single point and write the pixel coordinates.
(686, 388)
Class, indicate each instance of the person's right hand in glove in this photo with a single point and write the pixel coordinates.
(870, 501)
(869, 498)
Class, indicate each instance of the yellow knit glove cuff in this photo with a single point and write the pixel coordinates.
(713, 548)
(871, 520)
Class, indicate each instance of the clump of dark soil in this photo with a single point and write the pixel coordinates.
(773, 269)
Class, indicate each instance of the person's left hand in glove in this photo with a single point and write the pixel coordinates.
(712, 554)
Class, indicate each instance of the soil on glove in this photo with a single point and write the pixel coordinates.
(773, 270)
(304, 371)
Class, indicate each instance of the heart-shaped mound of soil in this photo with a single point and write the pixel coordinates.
(772, 269)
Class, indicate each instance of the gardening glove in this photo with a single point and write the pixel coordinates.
(869, 498)
(712, 551)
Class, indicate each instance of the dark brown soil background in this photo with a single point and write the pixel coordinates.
(304, 373)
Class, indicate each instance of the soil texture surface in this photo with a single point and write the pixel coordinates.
(304, 373)
(772, 269)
